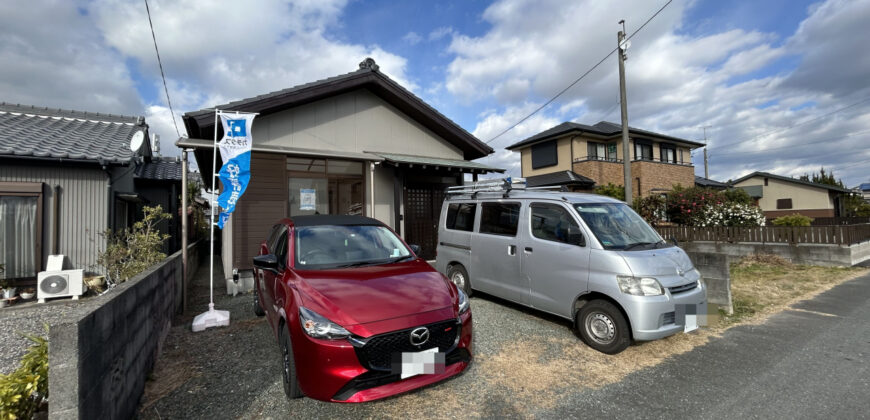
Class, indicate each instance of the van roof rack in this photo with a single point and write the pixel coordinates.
(503, 185)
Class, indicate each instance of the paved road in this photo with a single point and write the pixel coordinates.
(812, 362)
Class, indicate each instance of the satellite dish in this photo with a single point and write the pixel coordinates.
(624, 45)
(136, 141)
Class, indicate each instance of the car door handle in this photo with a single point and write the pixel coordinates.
(512, 250)
(528, 249)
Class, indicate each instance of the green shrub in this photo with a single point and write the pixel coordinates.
(652, 208)
(25, 391)
(132, 250)
(793, 220)
(611, 190)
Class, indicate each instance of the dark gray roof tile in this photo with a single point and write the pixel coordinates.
(65, 134)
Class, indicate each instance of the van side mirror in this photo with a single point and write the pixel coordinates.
(673, 241)
(416, 248)
(575, 236)
(266, 262)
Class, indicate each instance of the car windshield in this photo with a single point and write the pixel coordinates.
(334, 246)
(617, 226)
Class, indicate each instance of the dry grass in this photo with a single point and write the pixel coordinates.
(537, 371)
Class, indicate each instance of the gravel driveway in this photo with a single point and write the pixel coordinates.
(526, 363)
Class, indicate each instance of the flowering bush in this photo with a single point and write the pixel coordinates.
(729, 214)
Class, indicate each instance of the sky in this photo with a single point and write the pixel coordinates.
(782, 85)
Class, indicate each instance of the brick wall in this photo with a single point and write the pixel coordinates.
(660, 176)
(653, 175)
(601, 172)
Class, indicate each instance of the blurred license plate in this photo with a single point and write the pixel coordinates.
(425, 362)
(691, 316)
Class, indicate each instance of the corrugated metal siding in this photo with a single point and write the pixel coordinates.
(263, 204)
(83, 208)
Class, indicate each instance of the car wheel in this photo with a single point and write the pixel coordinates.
(258, 309)
(603, 327)
(457, 274)
(288, 366)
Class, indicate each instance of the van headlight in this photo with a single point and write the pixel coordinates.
(317, 326)
(463, 302)
(639, 286)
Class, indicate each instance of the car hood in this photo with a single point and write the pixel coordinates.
(360, 295)
(671, 266)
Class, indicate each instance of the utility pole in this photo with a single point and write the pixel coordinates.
(706, 169)
(622, 45)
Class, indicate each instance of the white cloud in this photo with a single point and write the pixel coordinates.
(677, 82)
(412, 38)
(441, 32)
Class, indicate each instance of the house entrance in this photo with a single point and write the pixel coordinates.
(422, 209)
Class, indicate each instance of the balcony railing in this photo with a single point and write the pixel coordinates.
(656, 160)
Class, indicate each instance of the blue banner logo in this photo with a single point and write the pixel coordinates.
(235, 173)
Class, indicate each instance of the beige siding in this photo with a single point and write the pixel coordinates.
(803, 197)
(352, 122)
(563, 163)
(83, 208)
(384, 194)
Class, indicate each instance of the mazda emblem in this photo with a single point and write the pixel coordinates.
(419, 336)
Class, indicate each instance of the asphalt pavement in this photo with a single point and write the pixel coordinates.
(810, 362)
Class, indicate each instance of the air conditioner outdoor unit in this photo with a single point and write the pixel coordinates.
(56, 282)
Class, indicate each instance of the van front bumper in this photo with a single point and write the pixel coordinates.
(655, 317)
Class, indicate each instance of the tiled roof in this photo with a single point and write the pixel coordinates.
(707, 182)
(559, 178)
(602, 128)
(201, 123)
(166, 169)
(44, 133)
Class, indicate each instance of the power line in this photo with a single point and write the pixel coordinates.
(578, 79)
(778, 130)
(162, 75)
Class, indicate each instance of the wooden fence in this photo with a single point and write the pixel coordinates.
(838, 235)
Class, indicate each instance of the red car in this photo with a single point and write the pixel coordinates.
(357, 314)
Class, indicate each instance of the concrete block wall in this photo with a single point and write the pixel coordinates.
(99, 361)
(716, 272)
(809, 254)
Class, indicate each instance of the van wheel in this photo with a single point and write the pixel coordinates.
(258, 309)
(602, 326)
(288, 366)
(457, 274)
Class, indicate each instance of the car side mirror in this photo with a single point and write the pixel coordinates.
(575, 236)
(266, 262)
(416, 249)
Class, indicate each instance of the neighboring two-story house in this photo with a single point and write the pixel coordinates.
(780, 195)
(658, 161)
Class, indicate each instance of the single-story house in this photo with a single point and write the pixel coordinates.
(65, 178)
(359, 142)
(781, 195)
(700, 181)
(658, 161)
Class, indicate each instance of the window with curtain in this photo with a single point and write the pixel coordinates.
(18, 236)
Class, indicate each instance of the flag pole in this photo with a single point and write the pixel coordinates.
(212, 318)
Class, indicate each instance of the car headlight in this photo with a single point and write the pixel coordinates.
(463, 302)
(639, 286)
(317, 326)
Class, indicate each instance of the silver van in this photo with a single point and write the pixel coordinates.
(585, 257)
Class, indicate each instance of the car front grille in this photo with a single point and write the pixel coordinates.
(683, 288)
(669, 318)
(377, 352)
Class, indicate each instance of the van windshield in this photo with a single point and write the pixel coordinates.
(617, 226)
(344, 246)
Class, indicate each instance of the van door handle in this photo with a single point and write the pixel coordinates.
(512, 250)
(528, 249)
